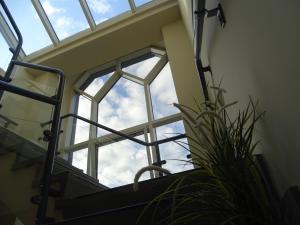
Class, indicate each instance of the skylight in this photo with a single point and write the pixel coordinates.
(66, 17)
(33, 32)
(103, 10)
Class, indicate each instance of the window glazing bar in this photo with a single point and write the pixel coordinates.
(88, 14)
(8, 35)
(132, 5)
(45, 20)
(156, 70)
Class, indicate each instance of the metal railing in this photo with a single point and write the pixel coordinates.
(125, 136)
(55, 101)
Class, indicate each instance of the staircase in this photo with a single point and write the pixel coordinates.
(21, 170)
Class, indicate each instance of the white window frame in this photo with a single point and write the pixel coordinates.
(144, 128)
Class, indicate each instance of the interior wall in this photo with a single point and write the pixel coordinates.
(257, 54)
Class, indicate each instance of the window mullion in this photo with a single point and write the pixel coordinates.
(92, 170)
(107, 86)
(88, 14)
(152, 131)
(157, 68)
(45, 20)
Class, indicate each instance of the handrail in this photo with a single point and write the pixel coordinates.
(56, 101)
(154, 143)
(16, 51)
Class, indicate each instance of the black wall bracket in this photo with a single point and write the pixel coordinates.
(219, 12)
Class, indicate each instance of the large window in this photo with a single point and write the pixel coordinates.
(134, 96)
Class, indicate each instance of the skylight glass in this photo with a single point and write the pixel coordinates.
(33, 32)
(163, 94)
(124, 106)
(97, 84)
(172, 152)
(66, 16)
(142, 69)
(119, 162)
(80, 158)
(141, 2)
(5, 54)
(103, 10)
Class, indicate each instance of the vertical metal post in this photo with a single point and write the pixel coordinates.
(50, 156)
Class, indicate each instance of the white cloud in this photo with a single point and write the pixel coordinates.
(50, 9)
(99, 6)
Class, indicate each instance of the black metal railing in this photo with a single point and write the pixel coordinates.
(55, 101)
(125, 136)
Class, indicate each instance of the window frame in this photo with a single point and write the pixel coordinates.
(146, 128)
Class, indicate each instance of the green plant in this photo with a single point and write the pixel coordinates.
(228, 188)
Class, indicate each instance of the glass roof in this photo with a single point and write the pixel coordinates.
(41, 21)
(106, 9)
(66, 17)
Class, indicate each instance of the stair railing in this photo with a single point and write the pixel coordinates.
(56, 101)
(159, 162)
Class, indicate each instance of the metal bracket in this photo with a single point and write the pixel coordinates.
(47, 135)
(219, 12)
(160, 163)
(207, 69)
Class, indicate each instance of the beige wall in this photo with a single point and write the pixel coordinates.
(257, 54)
(181, 58)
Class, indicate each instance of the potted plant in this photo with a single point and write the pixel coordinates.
(228, 187)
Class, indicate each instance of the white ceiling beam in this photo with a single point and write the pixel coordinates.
(132, 5)
(45, 20)
(88, 15)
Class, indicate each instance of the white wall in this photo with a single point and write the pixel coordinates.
(257, 54)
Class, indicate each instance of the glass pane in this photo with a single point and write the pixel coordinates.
(163, 94)
(142, 69)
(5, 55)
(141, 2)
(66, 17)
(80, 158)
(97, 84)
(119, 162)
(172, 152)
(33, 32)
(103, 10)
(82, 128)
(124, 106)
